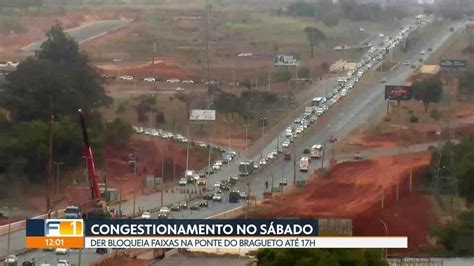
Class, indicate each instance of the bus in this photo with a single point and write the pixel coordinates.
(246, 168)
(316, 151)
(304, 164)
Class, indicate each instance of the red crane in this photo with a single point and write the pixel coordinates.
(90, 159)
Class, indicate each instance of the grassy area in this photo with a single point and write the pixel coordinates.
(432, 30)
(452, 49)
(10, 24)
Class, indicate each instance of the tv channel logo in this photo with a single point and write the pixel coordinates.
(64, 227)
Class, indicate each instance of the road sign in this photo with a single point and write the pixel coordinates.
(398, 92)
(453, 63)
(202, 115)
(286, 60)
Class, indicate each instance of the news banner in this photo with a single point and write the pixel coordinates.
(192, 233)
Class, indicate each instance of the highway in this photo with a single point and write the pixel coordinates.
(84, 33)
(340, 120)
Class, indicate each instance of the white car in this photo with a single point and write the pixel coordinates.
(149, 79)
(217, 197)
(61, 251)
(173, 80)
(244, 54)
(262, 162)
(422, 52)
(126, 77)
(146, 215)
(182, 182)
(188, 81)
(285, 144)
(164, 209)
(216, 166)
(179, 89)
(63, 263)
(299, 130)
(11, 260)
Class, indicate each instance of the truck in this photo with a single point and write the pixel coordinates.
(72, 212)
(317, 101)
(246, 168)
(304, 164)
(316, 151)
(190, 175)
(234, 196)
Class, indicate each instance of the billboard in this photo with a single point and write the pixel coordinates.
(453, 63)
(470, 26)
(286, 60)
(398, 92)
(202, 115)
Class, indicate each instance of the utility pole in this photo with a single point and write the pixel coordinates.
(246, 136)
(162, 179)
(269, 79)
(50, 166)
(154, 53)
(294, 162)
(207, 41)
(187, 149)
(322, 157)
(399, 147)
(384, 257)
(79, 259)
(57, 178)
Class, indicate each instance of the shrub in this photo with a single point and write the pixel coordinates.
(435, 114)
(121, 108)
(387, 119)
(413, 118)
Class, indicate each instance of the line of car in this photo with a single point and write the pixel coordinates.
(161, 133)
(319, 105)
(149, 79)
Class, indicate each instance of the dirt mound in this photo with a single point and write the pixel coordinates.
(387, 140)
(150, 154)
(354, 190)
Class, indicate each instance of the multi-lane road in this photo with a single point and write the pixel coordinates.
(85, 32)
(339, 120)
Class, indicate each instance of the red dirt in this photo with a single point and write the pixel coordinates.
(386, 140)
(353, 190)
(150, 153)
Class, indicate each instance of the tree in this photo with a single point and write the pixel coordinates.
(466, 83)
(118, 133)
(227, 103)
(428, 91)
(314, 37)
(457, 237)
(301, 9)
(58, 80)
(454, 163)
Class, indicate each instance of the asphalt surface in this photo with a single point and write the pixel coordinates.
(340, 120)
(84, 33)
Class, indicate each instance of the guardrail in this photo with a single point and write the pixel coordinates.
(228, 214)
(16, 226)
